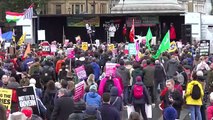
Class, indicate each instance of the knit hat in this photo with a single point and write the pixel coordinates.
(157, 62)
(211, 97)
(199, 73)
(18, 116)
(93, 87)
(170, 113)
(32, 81)
(28, 113)
(138, 79)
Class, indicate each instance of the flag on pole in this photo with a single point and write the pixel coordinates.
(22, 39)
(148, 38)
(28, 14)
(27, 51)
(13, 37)
(13, 16)
(165, 45)
(132, 32)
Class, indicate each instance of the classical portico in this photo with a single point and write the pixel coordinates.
(147, 6)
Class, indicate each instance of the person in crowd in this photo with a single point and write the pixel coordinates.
(35, 67)
(149, 79)
(210, 108)
(123, 73)
(181, 76)
(107, 111)
(172, 97)
(92, 98)
(203, 66)
(171, 67)
(96, 69)
(25, 79)
(48, 99)
(71, 88)
(90, 81)
(5, 80)
(64, 106)
(38, 91)
(115, 100)
(59, 63)
(3, 112)
(194, 94)
(27, 62)
(62, 73)
(17, 116)
(210, 79)
(28, 112)
(170, 113)
(139, 97)
(134, 116)
(136, 72)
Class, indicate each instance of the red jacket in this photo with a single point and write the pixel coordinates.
(210, 112)
(172, 33)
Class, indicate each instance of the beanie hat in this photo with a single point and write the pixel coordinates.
(211, 97)
(170, 113)
(199, 73)
(93, 87)
(32, 81)
(28, 113)
(18, 116)
(138, 79)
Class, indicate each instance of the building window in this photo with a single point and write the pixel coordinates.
(82, 8)
(58, 9)
(103, 8)
(77, 9)
(73, 9)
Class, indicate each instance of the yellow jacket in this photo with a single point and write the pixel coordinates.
(189, 100)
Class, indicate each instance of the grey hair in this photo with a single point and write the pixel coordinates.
(63, 90)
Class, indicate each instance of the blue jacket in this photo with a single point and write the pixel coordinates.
(92, 99)
(25, 65)
(109, 113)
(97, 70)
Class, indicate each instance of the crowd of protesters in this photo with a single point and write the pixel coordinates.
(177, 79)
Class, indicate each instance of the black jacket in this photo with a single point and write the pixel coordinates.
(159, 73)
(108, 112)
(64, 106)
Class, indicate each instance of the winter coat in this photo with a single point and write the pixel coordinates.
(63, 107)
(136, 72)
(189, 100)
(103, 82)
(124, 74)
(109, 113)
(172, 33)
(97, 70)
(35, 67)
(148, 75)
(14, 86)
(171, 67)
(159, 73)
(58, 65)
(210, 112)
(26, 63)
(210, 81)
(92, 99)
(89, 69)
(146, 97)
(115, 100)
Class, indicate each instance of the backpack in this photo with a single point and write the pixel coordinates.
(138, 91)
(180, 78)
(108, 85)
(196, 93)
(46, 75)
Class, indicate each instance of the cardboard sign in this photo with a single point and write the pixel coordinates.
(27, 98)
(45, 48)
(6, 97)
(111, 47)
(204, 47)
(84, 46)
(41, 35)
(53, 48)
(132, 49)
(70, 53)
(79, 91)
(111, 69)
(80, 72)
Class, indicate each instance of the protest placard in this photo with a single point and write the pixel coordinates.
(80, 72)
(5, 98)
(53, 48)
(79, 91)
(111, 47)
(110, 69)
(70, 53)
(132, 49)
(84, 46)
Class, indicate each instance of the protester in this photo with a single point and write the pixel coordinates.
(210, 108)
(170, 113)
(64, 106)
(107, 111)
(3, 113)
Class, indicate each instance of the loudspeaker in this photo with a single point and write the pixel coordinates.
(186, 33)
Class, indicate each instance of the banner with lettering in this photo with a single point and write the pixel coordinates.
(132, 49)
(27, 98)
(5, 98)
(70, 53)
(79, 91)
(111, 69)
(80, 72)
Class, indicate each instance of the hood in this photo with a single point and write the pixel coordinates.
(93, 94)
(114, 91)
(122, 68)
(13, 85)
(173, 61)
(90, 110)
(194, 82)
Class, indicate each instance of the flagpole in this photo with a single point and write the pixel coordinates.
(63, 36)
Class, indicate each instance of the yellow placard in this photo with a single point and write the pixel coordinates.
(6, 97)
(111, 47)
(84, 46)
(173, 47)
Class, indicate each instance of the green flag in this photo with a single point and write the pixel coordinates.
(165, 45)
(148, 38)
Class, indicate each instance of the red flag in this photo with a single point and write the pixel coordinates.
(27, 51)
(132, 32)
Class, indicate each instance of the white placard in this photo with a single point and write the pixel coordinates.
(41, 35)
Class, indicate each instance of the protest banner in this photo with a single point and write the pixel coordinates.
(84, 46)
(79, 91)
(204, 47)
(53, 48)
(111, 47)
(80, 72)
(110, 69)
(5, 98)
(132, 49)
(70, 53)
(27, 98)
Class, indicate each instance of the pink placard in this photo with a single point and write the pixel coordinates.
(111, 69)
(70, 53)
(79, 91)
(80, 72)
